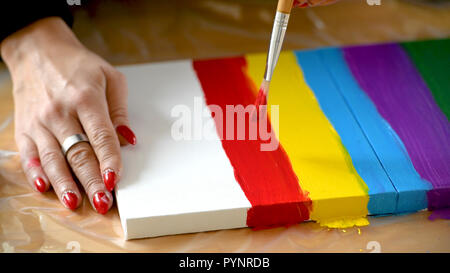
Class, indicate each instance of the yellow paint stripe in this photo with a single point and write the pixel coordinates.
(319, 159)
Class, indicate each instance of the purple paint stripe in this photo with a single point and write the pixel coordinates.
(401, 96)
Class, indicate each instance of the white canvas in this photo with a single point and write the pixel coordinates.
(169, 186)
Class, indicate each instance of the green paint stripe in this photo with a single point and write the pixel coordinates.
(432, 59)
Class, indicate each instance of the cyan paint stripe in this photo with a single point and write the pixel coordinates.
(388, 146)
(383, 196)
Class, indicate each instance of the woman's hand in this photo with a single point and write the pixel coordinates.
(62, 89)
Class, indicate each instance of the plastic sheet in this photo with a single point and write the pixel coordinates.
(146, 31)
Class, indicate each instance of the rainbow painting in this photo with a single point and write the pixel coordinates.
(361, 131)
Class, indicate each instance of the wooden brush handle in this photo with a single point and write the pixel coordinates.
(285, 6)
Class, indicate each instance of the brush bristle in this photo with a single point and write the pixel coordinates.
(262, 94)
(261, 100)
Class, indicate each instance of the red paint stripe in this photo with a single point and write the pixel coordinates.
(266, 177)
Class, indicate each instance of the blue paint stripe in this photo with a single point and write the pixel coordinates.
(383, 196)
(385, 142)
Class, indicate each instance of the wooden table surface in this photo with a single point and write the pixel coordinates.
(149, 31)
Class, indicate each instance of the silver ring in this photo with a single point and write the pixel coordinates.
(70, 141)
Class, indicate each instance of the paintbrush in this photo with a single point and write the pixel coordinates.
(276, 41)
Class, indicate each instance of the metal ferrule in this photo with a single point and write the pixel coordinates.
(276, 41)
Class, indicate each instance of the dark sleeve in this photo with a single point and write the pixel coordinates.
(17, 14)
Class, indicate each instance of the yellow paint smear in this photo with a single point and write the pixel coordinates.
(318, 157)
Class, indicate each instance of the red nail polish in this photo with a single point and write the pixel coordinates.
(126, 132)
(101, 202)
(109, 178)
(70, 199)
(40, 184)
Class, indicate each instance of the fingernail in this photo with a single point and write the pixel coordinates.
(70, 199)
(109, 178)
(101, 202)
(40, 185)
(126, 132)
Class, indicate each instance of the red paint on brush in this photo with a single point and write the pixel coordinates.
(266, 177)
(261, 99)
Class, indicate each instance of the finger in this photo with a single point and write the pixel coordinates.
(324, 2)
(117, 96)
(84, 164)
(31, 164)
(58, 173)
(94, 118)
(312, 3)
(300, 3)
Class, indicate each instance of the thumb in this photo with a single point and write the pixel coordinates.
(117, 97)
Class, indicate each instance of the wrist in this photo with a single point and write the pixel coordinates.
(44, 34)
